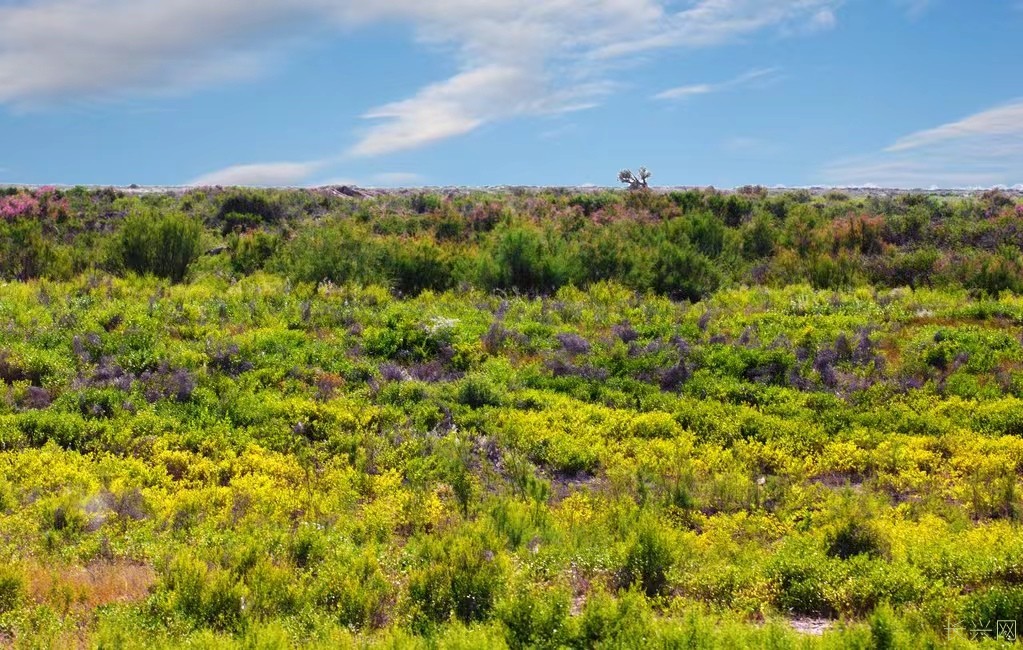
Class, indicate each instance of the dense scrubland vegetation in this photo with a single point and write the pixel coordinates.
(538, 419)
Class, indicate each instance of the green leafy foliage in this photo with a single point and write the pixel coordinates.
(161, 245)
(536, 419)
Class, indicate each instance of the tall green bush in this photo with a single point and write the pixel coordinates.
(521, 258)
(163, 245)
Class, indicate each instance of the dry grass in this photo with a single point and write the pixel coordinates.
(82, 589)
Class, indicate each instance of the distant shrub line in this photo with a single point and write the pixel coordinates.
(684, 245)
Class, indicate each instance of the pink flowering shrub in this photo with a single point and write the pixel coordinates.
(42, 203)
(1019, 210)
(18, 205)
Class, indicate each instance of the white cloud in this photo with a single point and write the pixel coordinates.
(1006, 120)
(463, 103)
(57, 49)
(981, 150)
(714, 22)
(515, 57)
(262, 174)
(760, 77)
(539, 58)
(300, 174)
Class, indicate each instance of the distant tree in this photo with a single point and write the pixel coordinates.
(635, 181)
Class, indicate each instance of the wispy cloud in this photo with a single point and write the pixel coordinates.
(54, 50)
(528, 59)
(515, 57)
(262, 174)
(300, 174)
(758, 77)
(465, 102)
(1006, 120)
(981, 150)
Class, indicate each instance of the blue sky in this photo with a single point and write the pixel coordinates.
(902, 93)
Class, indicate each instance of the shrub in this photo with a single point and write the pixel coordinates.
(336, 252)
(17, 206)
(522, 259)
(882, 628)
(307, 547)
(27, 253)
(648, 559)
(654, 425)
(355, 593)
(681, 273)
(477, 391)
(161, 245)
(418, 265)
(758, 238)
(984, 609)
(247, 209)
(620, 622)
(404, 340)
(461, 578)
(802, 576)
(536, 619)
(204, 597)
(592, 203)
(12, 588)
(704, 231)
(731, 209)
(251, 251)
(856, 532)
(853, 538)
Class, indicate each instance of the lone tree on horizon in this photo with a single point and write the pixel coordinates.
(635, 181)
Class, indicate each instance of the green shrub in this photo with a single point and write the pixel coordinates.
(337, 252)
(461, 577)
(616, 623)
(202, 596)
(251, 251)
(731, 209)
(12, 588)
(983, 609)
(403, 339)
(803, 577)
(855, 537)
(883, 628)
(704, 231)
(272, 591)
(26, 252)
(307, 547)
(477, 391)
(414, 266)
(523, 259)
(536, 619)
(246, 209)
(163, 245)
(682, 273)
(649, 558)
(355, 592)
(610, 252)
